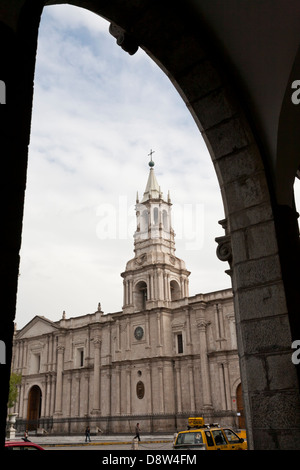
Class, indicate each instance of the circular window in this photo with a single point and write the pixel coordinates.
(138, 332)
(140, 390)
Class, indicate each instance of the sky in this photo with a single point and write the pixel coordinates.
(97, 113)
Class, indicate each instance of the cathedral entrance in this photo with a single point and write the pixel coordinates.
(34, 407)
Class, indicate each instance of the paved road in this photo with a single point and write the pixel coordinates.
(112, 447)
(104, 443)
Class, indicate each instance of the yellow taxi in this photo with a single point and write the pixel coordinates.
(201, 436)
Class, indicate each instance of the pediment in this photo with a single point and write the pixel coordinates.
(36, 327)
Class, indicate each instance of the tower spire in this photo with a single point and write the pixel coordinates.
(155, 276)
(152, 190)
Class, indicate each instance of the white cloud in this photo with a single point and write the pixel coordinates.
(97, 113)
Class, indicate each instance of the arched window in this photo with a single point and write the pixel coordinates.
(175, 290)
(144, 221)
(140, 295)
(165, 220)
(155, 216)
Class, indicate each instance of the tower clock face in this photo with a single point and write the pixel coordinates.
(138, 332)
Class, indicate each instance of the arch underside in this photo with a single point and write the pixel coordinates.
(258, 229)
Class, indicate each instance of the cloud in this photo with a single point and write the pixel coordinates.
(97, 112)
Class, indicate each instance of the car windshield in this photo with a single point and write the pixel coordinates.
(189, 438)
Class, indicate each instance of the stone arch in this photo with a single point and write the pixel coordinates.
(175, 290)
(252, 227)
(34, 407)
(140, 295)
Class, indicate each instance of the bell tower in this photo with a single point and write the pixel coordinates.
(155, 276)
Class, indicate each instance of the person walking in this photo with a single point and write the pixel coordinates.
(87, 434)
(25, 438)
(137, 431)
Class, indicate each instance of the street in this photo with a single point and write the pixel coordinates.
(112, 447)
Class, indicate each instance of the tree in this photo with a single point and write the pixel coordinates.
(15, 380)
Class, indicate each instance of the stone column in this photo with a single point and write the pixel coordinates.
(191, 382)
(128, 390)
(96, 384)
(161, 389)
(59, 377)
(77, 395)
(178, 387)
(205, 376)
(149, 389)
(117, 409)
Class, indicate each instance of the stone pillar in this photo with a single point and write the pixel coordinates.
(117, 395)
(161, 389)
(178, 387)
(191, 382)
(128, 390)
(205, 375)
(149, 389)
(96, 384)
(59, 377)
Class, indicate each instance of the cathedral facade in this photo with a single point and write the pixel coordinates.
(164, 357)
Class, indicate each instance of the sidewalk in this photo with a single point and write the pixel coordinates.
(105, 440)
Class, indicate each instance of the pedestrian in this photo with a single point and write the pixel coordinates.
(87, 434)
(137, 431)
(25, 438)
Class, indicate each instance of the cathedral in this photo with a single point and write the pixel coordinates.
(166, 356)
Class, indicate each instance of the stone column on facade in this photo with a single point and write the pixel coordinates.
(160, 285)
(161, 389)
(178, 387)
(189, 343)
(77, 394)
(96, 384)
(224, 385)
(124, 293)
(86, 393)
(69, 394)
(192, 391)
(127, 334)
(147, 333)
(59, 378)
(128, 390)
(130, 293)
(44, 396)
(149, 389)
(205, 375)
(117, 392)
(152, 286)
(158, 318)
(118, 336)
(232, 330)
(48, 394)
(21, 400)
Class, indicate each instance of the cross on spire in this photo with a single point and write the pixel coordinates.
(151, 163)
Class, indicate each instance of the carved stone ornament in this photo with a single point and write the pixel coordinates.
(224, 251)
(141, 259)
(125, 40)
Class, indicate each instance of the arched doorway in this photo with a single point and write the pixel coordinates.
(240, 407)
(34, 407)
